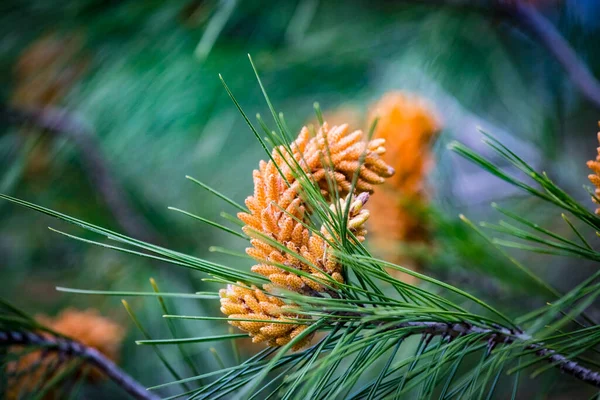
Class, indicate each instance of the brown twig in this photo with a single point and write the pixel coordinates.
(62, 123)
(502, 336)
(69, 347)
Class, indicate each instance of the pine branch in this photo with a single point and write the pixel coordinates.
(348, 311)
(73, 348)
(504, 336)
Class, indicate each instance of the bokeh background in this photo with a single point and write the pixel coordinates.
(106, 106)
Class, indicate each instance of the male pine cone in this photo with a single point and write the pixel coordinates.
(255, 307)
(278, 220)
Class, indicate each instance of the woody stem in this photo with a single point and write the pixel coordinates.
(71, 347)
(502, 336)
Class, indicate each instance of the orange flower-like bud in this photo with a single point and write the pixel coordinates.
(278, 213)
(594, 165)
(290, 254)
(266, 318)
(409, 128)
(37, 368)
(336, 154)
(311, 257)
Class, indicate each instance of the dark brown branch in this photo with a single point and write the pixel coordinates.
(68, 347)
(62, 123)
(501, 336)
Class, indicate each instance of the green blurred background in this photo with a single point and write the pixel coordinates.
(137, 84)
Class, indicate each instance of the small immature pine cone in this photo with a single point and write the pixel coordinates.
(594, 165)
(87, 327)
(254, 304)
(356, 218)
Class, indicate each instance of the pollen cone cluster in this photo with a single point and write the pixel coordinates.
(594, 165)
(33, 370)
(255, 307)
(334, 155)
(277, 222)
(290, 255)
(409, 127)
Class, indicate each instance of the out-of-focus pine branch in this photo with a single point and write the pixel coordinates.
(38, 360)
(530, 20)
(63, 123)
(67, 348)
